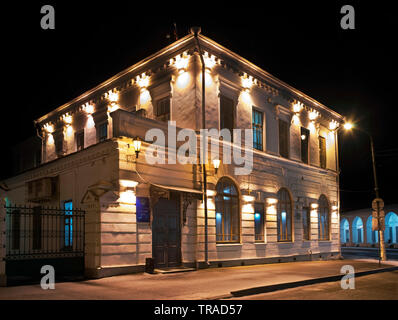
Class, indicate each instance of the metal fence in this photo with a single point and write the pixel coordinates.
(41, 232)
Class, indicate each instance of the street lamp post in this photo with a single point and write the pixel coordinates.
(382, 249)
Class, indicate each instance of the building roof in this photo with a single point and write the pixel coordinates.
(236, 62)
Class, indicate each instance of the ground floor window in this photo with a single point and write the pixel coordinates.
(68, 224)
(284, 215)
(227, 212)
(259, 222)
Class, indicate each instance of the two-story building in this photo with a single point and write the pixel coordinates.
(285, 209)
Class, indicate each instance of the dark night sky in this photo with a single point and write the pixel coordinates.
(350, 71)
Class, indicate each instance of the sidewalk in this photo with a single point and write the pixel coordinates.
(203, 284)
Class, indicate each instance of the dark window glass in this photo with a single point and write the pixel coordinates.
(59, 144)
(284, 216)
(323, 218)
(227, 114)
(257, 125)
(283, 138)
(103, 132)
(227, 212)
(259, 222)
(163, 109)
(322, 152)
(80, 140)
(305, 136)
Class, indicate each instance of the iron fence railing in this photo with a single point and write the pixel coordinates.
(42, 232)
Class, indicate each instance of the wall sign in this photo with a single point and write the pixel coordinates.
(143, 210)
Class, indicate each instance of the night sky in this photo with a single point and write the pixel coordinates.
(351, 71)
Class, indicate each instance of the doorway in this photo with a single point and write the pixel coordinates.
(166, 232)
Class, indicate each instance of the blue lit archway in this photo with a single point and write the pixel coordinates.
(372, 237)
(344, 231)
(357, 230)
(391, 231)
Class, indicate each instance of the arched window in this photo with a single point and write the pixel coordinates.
(371, 236)
(227, 211)
(391, 229)
(284, 215)
(323, 218)
(344, 231)
(357, 230)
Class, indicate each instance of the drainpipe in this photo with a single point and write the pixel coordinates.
(195, 31)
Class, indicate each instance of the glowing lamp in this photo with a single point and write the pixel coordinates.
(248, 198)
(181, 63)
(303, 137)
(314, 205)
(49, 128)
(143, 81)
(313, 115)
(137, 146)
(247, 82)
(89, 108)
(348, 126)
(332, 125)
(127, 197)
(272, 201)
(113, 96)
(128, 183)
(67, 119)
(210, 61)
(297, 107)
(216, 164)
(210, 193)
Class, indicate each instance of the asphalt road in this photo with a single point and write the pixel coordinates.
(371, 253)
(381, 286)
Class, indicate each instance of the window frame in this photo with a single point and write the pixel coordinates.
(289, 216)
(233, 219)
(322, 152)
(306, 212)
(281, 152)
(255, 127)
(306, 132)
(77, 135)
(160, 117)
(233, 104)
(262, 222)
(323, 203)
(100, 126)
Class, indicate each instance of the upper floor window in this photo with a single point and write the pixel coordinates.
(227, 211)
(162, 111)
(257, 125)
(103, 131)
(227, 114)
(305, 136)
(80, 140)
(283, 138)
(284, 216)
(322, 152)
(323, 218)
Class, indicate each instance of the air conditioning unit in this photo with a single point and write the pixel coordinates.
(40, 190)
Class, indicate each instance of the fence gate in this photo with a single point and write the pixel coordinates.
(38, 236)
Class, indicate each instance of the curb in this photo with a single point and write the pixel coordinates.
(288, 285)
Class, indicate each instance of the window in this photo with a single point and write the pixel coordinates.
(284, 216)
(227, 114)
(305, 136)
(163, 109)
(323, 218)
(322, 152)
(227, 212)
(59, 144)
(103, 131)
(259, 222)
(80, 140)
(257, 125)
(68, 224)
(306, 223)
(283, 138)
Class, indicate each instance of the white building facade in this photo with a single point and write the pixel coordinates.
(285, 209)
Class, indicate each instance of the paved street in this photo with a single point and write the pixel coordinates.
(381, 286)
(358, 253)
(203, 284)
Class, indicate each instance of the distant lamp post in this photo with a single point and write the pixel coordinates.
(216, 164)
(137, 146)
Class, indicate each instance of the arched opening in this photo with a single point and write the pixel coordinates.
(323, 218)
(371, 236)
(284, 215)
(227, 211)
(344, 231)
(357, 230)
(391, 231)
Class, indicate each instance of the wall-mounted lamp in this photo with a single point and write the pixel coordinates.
(248, 198)
(314, 205)
(49, 128)
(137, 146)
(210, 62)
(313, 115)
(247, 82)
(88, 108)
(181, 63)
(332, 125)
(211, 193)
(143, 81)
(216, 164)
(67, 118)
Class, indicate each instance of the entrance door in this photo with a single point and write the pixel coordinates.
(166, 233)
